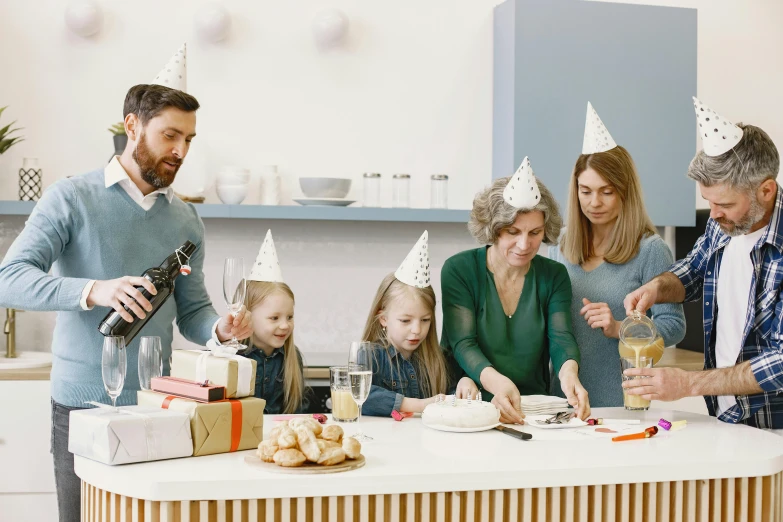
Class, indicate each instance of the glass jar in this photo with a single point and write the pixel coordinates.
(371, 189)
(439, 191)
(401, 191)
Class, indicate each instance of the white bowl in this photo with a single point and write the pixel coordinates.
(232, 194)
(325, 187)
(233, 176)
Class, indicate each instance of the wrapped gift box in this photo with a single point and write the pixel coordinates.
(217, 427)
(236, 373)
(129, 434)
(188, 389)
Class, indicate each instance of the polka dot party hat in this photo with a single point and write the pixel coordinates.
(597, 137)
(415, 270)
(267, 267)
(522, 190)
(174, 75)
(718, 135)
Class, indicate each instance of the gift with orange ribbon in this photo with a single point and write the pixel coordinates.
(216, 427)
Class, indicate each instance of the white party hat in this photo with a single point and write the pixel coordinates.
(175, 73)
(718, 135)
(267, 267)
(597, 137)
(415, 269)
(522, 189)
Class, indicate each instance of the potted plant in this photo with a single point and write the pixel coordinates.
(6, 141)
(120, 138)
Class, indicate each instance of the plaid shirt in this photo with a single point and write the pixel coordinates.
(763, 334)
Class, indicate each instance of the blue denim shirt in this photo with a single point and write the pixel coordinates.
(269, 379)
(393, 379)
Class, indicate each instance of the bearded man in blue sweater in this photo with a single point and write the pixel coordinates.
(83, 247)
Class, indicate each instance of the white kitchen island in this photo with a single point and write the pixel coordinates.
(708, 471)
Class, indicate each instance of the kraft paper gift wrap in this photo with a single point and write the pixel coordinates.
(219, 366)
(217, 427)
(129, 434)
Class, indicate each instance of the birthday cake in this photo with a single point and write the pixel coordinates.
(460, 413)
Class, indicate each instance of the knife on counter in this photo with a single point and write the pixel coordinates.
(521, 435)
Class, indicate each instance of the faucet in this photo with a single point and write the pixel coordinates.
(10, 331)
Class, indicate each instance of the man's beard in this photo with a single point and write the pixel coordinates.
(739, 228)
(152, 169)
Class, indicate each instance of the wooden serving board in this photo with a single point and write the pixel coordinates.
(308, 468)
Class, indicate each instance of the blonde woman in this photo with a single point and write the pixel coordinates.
(610, 248)
(410, 370)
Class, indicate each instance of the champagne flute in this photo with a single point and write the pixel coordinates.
(360, 367)
(113, 365)
(150, 361)
(234, 288)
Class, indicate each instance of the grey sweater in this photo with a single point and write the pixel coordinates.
(599, 370)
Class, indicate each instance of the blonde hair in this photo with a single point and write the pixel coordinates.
(491, 214)
(633, 224)
(434, 375)
(293, 373)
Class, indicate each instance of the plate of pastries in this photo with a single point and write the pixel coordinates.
(303, 445)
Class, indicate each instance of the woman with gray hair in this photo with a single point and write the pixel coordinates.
(506, 310)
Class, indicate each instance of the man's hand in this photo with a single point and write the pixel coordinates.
(642, 298)
(658, 384)
(239, 327)
(115, 293)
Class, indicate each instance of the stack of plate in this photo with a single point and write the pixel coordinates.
(543, 405)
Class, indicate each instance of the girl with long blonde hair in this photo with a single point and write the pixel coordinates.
(279, 370)
(410, 369)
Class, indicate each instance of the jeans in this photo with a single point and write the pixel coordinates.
(67, 483)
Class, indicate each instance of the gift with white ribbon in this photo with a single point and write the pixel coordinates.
(129, 434)
(218, 365)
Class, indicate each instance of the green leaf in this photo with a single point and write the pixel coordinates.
(6, 144)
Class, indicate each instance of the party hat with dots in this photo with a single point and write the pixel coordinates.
(597, 137)
(718, 135)
(522, 189)
(267, 267)
(175, 75)
(415, 270)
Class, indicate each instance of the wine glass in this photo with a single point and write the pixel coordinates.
(360, 366)
(113, 365)
(150, 361)
(234, 288)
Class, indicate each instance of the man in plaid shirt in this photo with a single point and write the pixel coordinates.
(738, 267)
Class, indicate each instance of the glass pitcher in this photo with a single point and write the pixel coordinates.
(639, 338)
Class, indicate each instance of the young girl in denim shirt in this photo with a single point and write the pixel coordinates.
(279, 371)
(409, 367)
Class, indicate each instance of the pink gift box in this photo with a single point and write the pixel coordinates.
(188, 389)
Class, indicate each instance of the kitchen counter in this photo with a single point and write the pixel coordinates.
(416, 473)
(26, 374)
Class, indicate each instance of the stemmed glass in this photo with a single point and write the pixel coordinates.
(113, 365)
(150, 361)
(360, 365)
(234, 288)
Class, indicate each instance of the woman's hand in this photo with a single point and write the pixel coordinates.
(466, 389)
(572, 388)
(598, 315)
(506, 396)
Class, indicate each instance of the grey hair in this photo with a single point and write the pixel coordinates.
(752, 161)
(491, 214)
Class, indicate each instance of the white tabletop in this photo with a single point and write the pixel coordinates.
(407, 457)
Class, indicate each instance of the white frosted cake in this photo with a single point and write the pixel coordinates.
(460, 413)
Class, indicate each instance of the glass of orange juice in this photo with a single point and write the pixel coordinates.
(635, 402)
(344, 408)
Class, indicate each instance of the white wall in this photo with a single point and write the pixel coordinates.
(740, 61)
(410, 93)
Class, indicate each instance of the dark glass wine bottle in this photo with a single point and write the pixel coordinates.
(162, 279)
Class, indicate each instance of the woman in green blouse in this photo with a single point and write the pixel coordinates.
(506, 310)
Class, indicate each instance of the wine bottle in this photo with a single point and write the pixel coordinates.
(162, 278)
